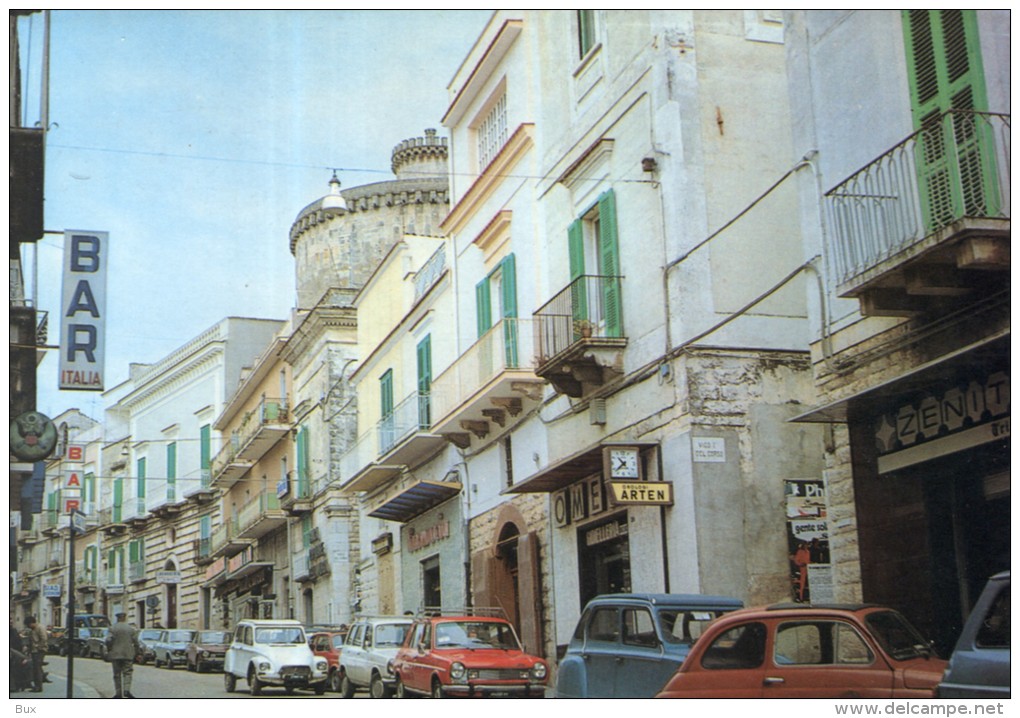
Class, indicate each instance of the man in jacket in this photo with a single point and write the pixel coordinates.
(121, 648)
(38, 642)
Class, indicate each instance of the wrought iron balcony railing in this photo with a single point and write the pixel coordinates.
(589, 308)
(955, 167)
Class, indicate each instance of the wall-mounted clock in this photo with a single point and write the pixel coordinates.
(623, 462)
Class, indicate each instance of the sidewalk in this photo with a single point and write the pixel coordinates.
(57, 688)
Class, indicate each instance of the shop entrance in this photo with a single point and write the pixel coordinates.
(431, 590)
(505, 575)
(604, 557)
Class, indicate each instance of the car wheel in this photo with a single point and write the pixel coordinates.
(320, 688)
(437, 688)
(229, 682)
(169, 663)
(199, 667)
(346, 687)
(334, 680)
(254, 684)
(378, 689)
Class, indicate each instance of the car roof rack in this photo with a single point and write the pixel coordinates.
(475, 611)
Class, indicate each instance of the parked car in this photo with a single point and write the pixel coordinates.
(979, 666)
(327, 644)
(55, 642)
(324, 628)
(466, 656)
(808, 651)
(273, 653)
(628, 645)
(371, 646)
(147, 638)
(83, 625)
(172, 647)
(95, 647)
(207, 650)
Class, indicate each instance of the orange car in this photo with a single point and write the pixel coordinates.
(805, 651)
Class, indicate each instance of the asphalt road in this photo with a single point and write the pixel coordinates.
(93, 678)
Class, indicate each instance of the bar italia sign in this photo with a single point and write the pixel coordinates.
(83, 315)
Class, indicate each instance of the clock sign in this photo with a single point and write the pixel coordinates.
(622, 462)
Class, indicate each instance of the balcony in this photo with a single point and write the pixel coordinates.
(50, 523)
(172, 505)
(136, 572)
(488, 384)
(295, 494)
(397, 440)
(86, 580)
(260, 516)
(409, 497)
(111, 521)
(205, 492)
(927, 222)
(203, 551)
(135, 513)
(226, 541)
(302, 568)
(579, 335)
(260, 429)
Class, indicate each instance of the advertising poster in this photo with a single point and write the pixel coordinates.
(807, 532)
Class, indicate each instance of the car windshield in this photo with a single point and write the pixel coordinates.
(279, 634)
(475, 634)
(391, 634)
(899, 639)
(179, 636)
(97, 621)
(149, 634)
(213, 637)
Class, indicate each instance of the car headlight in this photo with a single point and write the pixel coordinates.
(457, 671)
(538, 671)
(389, 667)
(322, 665)
(205, 654)
(264, 666)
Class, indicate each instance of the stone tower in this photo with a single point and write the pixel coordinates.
(338, 240)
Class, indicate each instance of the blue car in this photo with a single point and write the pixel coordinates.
(979, 666)
(628, 645)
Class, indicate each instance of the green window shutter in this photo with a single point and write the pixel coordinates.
(483, 304)
(609, 265)
(302, 461)
(306, 531)
(205, 446)
(120, 564)
(508, 270)
(171, 471)
(141, 478)
(205, 527)
(133, 552)
(578, 289)
(425, 382)
(386, 393)
(89, 494)
(118, 498)
(955, 159)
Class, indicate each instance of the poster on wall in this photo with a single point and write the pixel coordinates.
(807, 533)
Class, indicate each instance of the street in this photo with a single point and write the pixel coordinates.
(93, 676)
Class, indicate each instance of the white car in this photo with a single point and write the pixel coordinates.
(273, 653)
(366, 655)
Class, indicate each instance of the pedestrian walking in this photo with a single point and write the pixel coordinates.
(121, 648)
(38, 641)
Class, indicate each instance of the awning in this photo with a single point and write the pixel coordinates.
(868, 402)
(566, 471)
(248, 569)
(415, 500)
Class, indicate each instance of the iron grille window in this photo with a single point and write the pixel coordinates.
(492, 133)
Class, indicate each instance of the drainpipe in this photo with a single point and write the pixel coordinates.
(467, 532)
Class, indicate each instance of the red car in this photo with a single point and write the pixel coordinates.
(805, 651)
(327, 644)
(469, 656)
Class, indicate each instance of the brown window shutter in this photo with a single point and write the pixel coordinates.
(529, 584)
(481, 590)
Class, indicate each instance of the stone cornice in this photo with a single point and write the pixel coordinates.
(318, 321)
(511, 153)
(172, 380)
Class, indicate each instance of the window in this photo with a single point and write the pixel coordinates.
(118, 498)
(594, 270)
(302, 462)
(740, 647)
(492, 133)
(680, 626)
(508, 462)
(585, 31)
(994, 631)
(604, 626)
(387, 424)
(638, 629)
(141, 478)
(306, 531)
(499, 291)
(205, 452)
(820, 643)
(424, 352)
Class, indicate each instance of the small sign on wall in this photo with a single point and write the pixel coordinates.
(709, 449)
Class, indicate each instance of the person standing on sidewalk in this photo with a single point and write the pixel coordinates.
(121, 648)
(37, 643)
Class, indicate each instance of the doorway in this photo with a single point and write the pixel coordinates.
(604, 558)
(432, 591)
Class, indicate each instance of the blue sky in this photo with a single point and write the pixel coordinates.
(195, 137)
